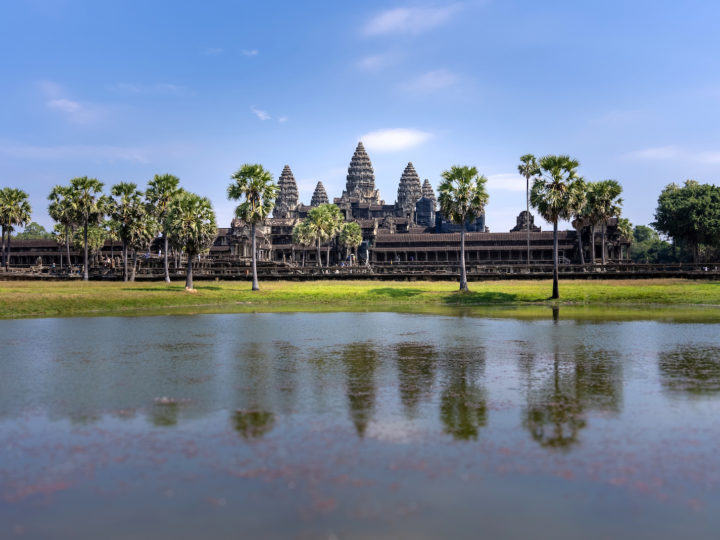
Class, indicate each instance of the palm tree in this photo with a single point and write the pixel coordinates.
(254, 184)
(528, 168)
(351, 235)
(625, 230)
(314, 230)
(62, 209)
(161, 191)
(553, 196)
(90, 207)
(579, 213)
(14, 212)
(126, 211)
(330, 220)
(462, 200)
(303, 236)
(144, 230)
(606, 204)
(191, 224)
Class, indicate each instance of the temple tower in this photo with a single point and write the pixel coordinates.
(409, 192)
(427, 190)
(287, 199)
(319, 195)
(360, 184)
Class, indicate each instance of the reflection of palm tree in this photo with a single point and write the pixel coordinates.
(691, 369)
(253, 424)
(416, 371)
(360, 363)
(165, 414)
(463, 405)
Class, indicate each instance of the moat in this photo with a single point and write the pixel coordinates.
(356, 425)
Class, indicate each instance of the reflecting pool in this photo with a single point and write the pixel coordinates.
(358, 425)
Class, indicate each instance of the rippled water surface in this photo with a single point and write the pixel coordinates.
(358, 425)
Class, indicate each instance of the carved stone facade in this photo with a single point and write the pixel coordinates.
(319, 195)
(427, 191)
(522, 223)
(287, 200)
(409, 192)
(360, 184)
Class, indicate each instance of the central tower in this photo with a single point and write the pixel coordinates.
(360, 184)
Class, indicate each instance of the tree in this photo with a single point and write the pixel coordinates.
(553, 195)
(90, 208)
(96, 236)
(191, 225)
(14, 212)
(127, 210)
(351, 235)
(62, 210)
(648, 247)
(144, 230)
(528, 168)
(624, 231)
(161, 192)
(34, 231)
(604, 203)
(325, 221)
(690, 215)
(255, 185)
(579, 213)
(462, 200)
(303, 236)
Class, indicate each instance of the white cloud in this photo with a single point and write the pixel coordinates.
(412, 20)
(250, 52)
(375, 61)
(676, 153)
(213, 51)
(391, 140)
(65, 105)
(506, 182)
(262, 115)
(432, 81)
(77, 112)
(104, 153)
(282, 119)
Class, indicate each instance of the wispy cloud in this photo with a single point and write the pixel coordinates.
(432, 81)
(262, 115)
(57, 99)
(99, 153)
(375, 61)
(391, 140)
(282, 119)
(506, 182)
(676, 153)
(213, 51)
(150, 89)
(250, 52)
(409, 20)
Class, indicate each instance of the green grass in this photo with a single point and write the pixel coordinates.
(57, 299)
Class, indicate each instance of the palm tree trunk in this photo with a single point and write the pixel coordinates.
(7, 255)
(125, 262)
(327, 256)
(556, 291)
(527, 216)
(166, 262)
(255, 286)
(303, 263)
(86, 274)
(188, 274)
(463, 275)
(134, 267)
(2, 243)
(319, 259)
(67, 246)
(592, 243)
(580, 247)
(602, 231)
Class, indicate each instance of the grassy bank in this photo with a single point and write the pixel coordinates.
(57, 299)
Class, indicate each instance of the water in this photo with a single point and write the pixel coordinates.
(358, 425)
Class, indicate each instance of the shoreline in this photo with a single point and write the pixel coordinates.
(31, 299)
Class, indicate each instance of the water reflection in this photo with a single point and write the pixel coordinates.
(463, 403)
(253, 424)
(690, 369)
(360, 361)
(416, 364)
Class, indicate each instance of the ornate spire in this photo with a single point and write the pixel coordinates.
(287, 199)
(319, 196)
(409, 190)
(427, 190)
(360, 177)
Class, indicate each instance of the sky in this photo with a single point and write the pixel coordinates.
(122, 90)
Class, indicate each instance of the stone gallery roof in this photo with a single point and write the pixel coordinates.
(409, 190)
(319, 196)
(480, 237)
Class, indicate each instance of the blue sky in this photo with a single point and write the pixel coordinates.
(121, 90)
